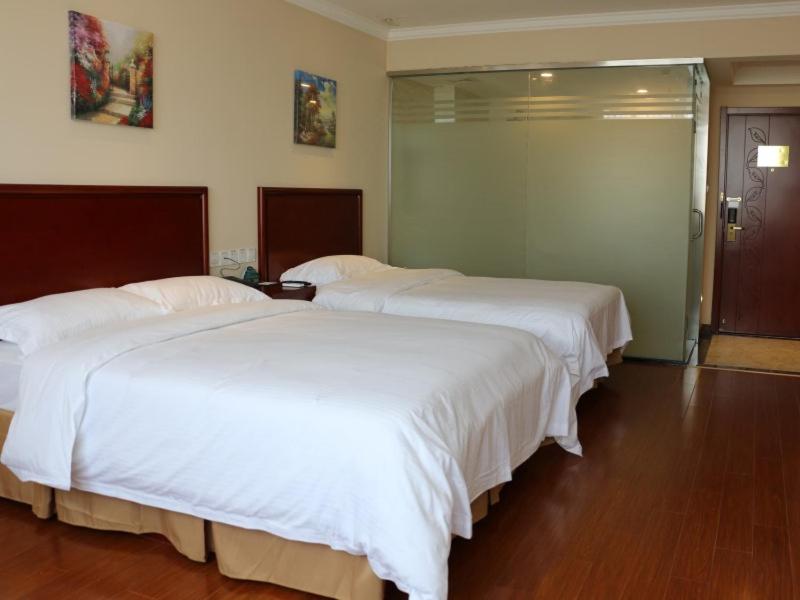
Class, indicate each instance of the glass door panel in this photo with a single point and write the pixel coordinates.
(694, 283)
(610, 181)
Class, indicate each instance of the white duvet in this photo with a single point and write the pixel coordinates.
(580, 322)
(368, 433)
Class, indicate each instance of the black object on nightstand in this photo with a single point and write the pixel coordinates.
(277, 291)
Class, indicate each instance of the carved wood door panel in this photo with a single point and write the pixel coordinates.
(760, 276)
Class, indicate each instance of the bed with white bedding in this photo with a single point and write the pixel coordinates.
(582, 323)
(135, 233)
(367, 433)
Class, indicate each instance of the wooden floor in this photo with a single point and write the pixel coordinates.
(689, 488)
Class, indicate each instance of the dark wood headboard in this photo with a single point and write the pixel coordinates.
(296, 225)
(62, 238)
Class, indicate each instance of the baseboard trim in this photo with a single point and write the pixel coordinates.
(655, 361)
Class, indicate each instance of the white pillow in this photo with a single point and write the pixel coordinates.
(329, 269)
(184, 293)
(49, 319)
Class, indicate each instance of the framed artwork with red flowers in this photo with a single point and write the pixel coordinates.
(111, 72)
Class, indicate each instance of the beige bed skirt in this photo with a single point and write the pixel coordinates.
(84, 509)
(240, 553)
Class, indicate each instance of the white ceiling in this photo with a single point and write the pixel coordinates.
(417, 13)
(410, 19)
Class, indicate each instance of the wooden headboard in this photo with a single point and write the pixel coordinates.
(62, 238)
(296, 225)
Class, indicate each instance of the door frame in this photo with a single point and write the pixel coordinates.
(725, 112)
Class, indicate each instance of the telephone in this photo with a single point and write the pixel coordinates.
(250, 277)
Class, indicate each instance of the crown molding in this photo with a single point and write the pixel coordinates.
(635, 62)
(635, 17)
(344, 16)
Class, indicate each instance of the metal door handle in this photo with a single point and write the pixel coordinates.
(699, 234)
(732, 229)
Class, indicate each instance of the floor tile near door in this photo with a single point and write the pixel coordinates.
(763, 354)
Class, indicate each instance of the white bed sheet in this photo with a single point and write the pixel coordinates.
(368, 433)
(580, 322)
(10, 370)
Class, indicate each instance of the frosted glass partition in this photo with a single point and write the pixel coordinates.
(459, 181)
(573, 174)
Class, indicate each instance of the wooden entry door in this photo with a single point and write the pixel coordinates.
(758, 245)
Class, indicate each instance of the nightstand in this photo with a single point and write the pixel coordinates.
(276, 291)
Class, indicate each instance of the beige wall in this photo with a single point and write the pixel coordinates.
(709, 39)
(731, 96)
(223, 106)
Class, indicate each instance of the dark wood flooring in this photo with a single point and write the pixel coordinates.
(689, 488)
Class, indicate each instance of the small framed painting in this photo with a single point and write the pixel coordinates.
(314, 110)
(111, 72)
